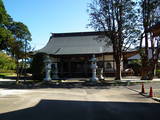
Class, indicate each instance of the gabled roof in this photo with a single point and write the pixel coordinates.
(76, 43)
(138, 57)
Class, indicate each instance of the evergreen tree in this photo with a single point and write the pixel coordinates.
(14, 37)
(21, 46)
(5, 34)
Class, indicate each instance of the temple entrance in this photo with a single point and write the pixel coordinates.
(74, 67)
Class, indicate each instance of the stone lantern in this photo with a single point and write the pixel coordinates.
(48, 64)
(94, 67)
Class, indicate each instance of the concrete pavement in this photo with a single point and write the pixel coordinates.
(111, 103)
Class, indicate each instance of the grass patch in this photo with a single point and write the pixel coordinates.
(7, 74)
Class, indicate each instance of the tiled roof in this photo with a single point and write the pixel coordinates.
(76, 43)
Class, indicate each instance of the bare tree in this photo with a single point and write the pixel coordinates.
(117, 19)
(149, 43)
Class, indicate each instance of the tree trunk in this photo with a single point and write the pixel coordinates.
(17, 72)
(25, 60)
(118, 75)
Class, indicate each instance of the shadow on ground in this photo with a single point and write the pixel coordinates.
(85, 110)
(10, 83)
(37, 85)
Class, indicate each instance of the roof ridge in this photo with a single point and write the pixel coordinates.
(73, 34)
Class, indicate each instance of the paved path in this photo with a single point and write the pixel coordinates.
(116, 103)
(155, 86)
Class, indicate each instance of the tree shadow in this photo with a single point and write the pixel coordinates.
(10, 83)
(38, 85)
(85, 110)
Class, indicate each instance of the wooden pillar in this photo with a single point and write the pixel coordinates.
(85, 68)
(69, 66)
(61, 68)
(114, 66)
(103, 64)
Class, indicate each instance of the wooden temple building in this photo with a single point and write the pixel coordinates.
(71, 53)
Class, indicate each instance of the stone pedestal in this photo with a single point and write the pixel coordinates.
(47, 63)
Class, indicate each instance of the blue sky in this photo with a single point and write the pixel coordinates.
(49, 16)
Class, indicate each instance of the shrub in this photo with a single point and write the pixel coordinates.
(37, 67)
(6, 62)
(158, 73)
(136, 66)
